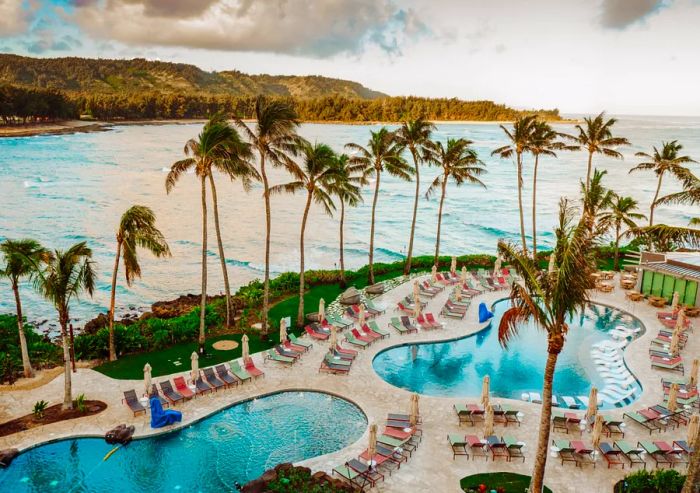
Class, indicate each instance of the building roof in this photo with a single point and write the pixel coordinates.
(674, 270)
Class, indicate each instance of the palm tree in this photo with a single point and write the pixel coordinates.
(22, 258)
(460, 163)
(315, 176)
(137, 228)
(415, 136)
(620, 212)
(67, 275)
(218, 146)
(665, 161)
(382, 153)
(520, 139)
(597, 138)
(549, 299)
(595, 199)
(274, 136)
(345, 186)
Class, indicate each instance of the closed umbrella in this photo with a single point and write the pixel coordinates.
(453, 265)
(283, 331)
(434, 273)
(372, 446)
(245, 349)
(195, 366)
(552, 259)
(497, 265)
(672, 403)
(147, 378)
(488, 421)
(675, 341)
(362, 314)
(334, 337)
(416, 303)
(694, 373)
(413, 416)
(416, 290)
(464, 274)
(592, 403)
(674, 302)
(321, 310)
(680, 321)
(458, 292)
(485, 390)
(597, 430)
(694, 431)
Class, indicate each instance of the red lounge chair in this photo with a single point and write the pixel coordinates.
(252, 369)
(314, 334)
(404, 308)
(350, 312)
(441, 279)
(182, 388)
(502, 281)
(366, 331)
(361, 337)
(671, 323)
(350, 352)
(424, 324)
(397, 433)
(431, 320)
(295, 348)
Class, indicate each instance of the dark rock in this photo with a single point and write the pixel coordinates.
(179, 306)
(97, 323)
(375, 289)
(268, 476)
(351, 296)
(7, 456)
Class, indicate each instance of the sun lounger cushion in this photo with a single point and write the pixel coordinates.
(160, 418)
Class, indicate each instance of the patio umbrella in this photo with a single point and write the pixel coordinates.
(552, 259)
(597, 430)
(147, 378)
(362, 315)
(485, 390)
(497, 265)
(334, 337)
(416, 290)
(694, 373)
(372, 446)
(413, 416)
(321, 310)
(416, 302)
(195, 366)
(434, 273)
(453, 265)
(672, 403)
(458, 292)
(592, 403)
(680, 320)
(464, 273)
(245, 350)
(283, 331)
(694, 431)
(675, 341)
(674, 302)
(488, 421)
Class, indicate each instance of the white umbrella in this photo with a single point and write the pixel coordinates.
(680, 320)
(485, 390)
(372, 446)
(694, 373)
(195, 366)
(413, 416)
(675, 341)
(592, 403)
(453, 265)
(245, 350)
(434, 273)
(416, 303)
(464, 273)
(488, 421)
(416, 290)
(675, 299)
(147, 378)
(458, 292)
(694, 431)
(321, 310)
(283, 331)
(497, 265)
(672, 403)
(333, 338)
(362, 315)
(597, 430)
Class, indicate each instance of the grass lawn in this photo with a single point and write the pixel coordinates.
(509, 482)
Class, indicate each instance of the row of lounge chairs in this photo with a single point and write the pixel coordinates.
(658, 418)
(661, 452)
(505, 447)
(471, 414)
(338, 360)
(288, 352)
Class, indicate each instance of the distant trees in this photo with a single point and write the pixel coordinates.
(24, 105)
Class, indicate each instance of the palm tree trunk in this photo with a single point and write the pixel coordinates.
(342, 256)
(371, 229)
(653, 203)
(439, 222)
(268, 221)
(534, 208)
(537, 480)
(588, 173)
(26, 363)
(300, 314)
(112, 300)
(203, 304)
(409, 254)
(692, 474)
(520, 201)
(222, 257)
(616, 263)
(67, 383)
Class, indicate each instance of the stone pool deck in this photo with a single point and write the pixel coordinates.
(431, 468)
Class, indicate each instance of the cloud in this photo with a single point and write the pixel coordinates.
(618, 14)
(14, 17)
(296, 27)
(44, 40)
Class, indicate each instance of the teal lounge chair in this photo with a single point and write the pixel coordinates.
(375, 328)
(299, 342)
(458, 444)
(239, 372)
(514, 448)
(353, 340)
(398, 326)
(275, 356)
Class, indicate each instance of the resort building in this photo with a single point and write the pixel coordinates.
(662, 274)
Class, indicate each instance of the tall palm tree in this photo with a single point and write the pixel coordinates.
(382, 153)
(662, 162)
(68, 274)
(218, 147)
(520, 140)
(595, 198)
(549, 299)
(345, 186)
(137, 229)
(22, 259)
(460, 163)
(414, 135)
(620, 213)
(273, 138)
(315, 176)
(597, 138)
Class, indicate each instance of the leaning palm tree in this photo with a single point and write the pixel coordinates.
(620, 213)
(662, 162)
(382, 153)
(273, 138)
(345, 187)
(595, 198)
(597, 138)
(460, 163)
(218, 147)
(520, 140)
(414, 135)
(68, 274)
(549, 299)
(137, 229)
(22, 259)
(315, 176)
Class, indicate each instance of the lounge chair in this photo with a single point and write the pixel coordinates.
(330, 365)
(406, 309)
(613, 427)
(431, 319)
(427, 292)
(173, 395)
(240, 373)
(250, 367)
(283, 351)
(658, 455)
(361, 337)
(408, 324)
(289, 346)
(372, 474)
(632, 454)
(352, 476)
(273, 355)
(514, 448)
(565, 450)
(672, 364)
(398, 326)
(458, 444)
(684, 448)
(132, 400)
(339, 322)
(356, 342)
(181, 387)
(675, 455)
(365, 331)
(477, 448)
(316, 335)
(391, 441)
(447, 311)
(646, 422)
(374, 308)
(570, 402)
(345, 352)
(375, 328)
(202, 386)
(611, 455)
(424, 324)
(297, 341)
(223, 373)
(470, 413)
(154, 393)
(212, 379)
(497, 447)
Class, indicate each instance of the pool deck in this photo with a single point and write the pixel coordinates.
(431, 468)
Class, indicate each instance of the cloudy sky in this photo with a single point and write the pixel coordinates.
(624, 56)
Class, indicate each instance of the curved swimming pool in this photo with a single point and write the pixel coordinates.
(234, 445)
(456, 368)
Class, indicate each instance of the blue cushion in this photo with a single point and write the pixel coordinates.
(160, 418)
(484, 313)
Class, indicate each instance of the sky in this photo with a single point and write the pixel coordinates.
(581, 56)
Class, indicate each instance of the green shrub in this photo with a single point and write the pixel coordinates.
(42, 352)
(40, 409)
(79, 403)
(657, 481)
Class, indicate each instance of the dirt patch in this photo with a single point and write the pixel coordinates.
(52, 414)
(225, 345)
(41, 377)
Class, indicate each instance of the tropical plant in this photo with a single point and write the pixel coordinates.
(549, 299)
(620, 213)
(595, 198)
(67, 275)
(315, 176)
(597, 138)
(137, 229)
(22, 259)
(665, 161)
(381, 154)
(273, 138)
(460, 163)
(345, 186)
(218, 147)
(414, 135)
(520, 138)
(80, 403)
(40, 409)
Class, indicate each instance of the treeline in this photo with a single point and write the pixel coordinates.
(23, 105)
(330, 108)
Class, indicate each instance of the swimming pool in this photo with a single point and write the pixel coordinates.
(456, 368)
(234, 445)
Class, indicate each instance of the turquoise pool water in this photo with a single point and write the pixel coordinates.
(456, 368)
(234, 445)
